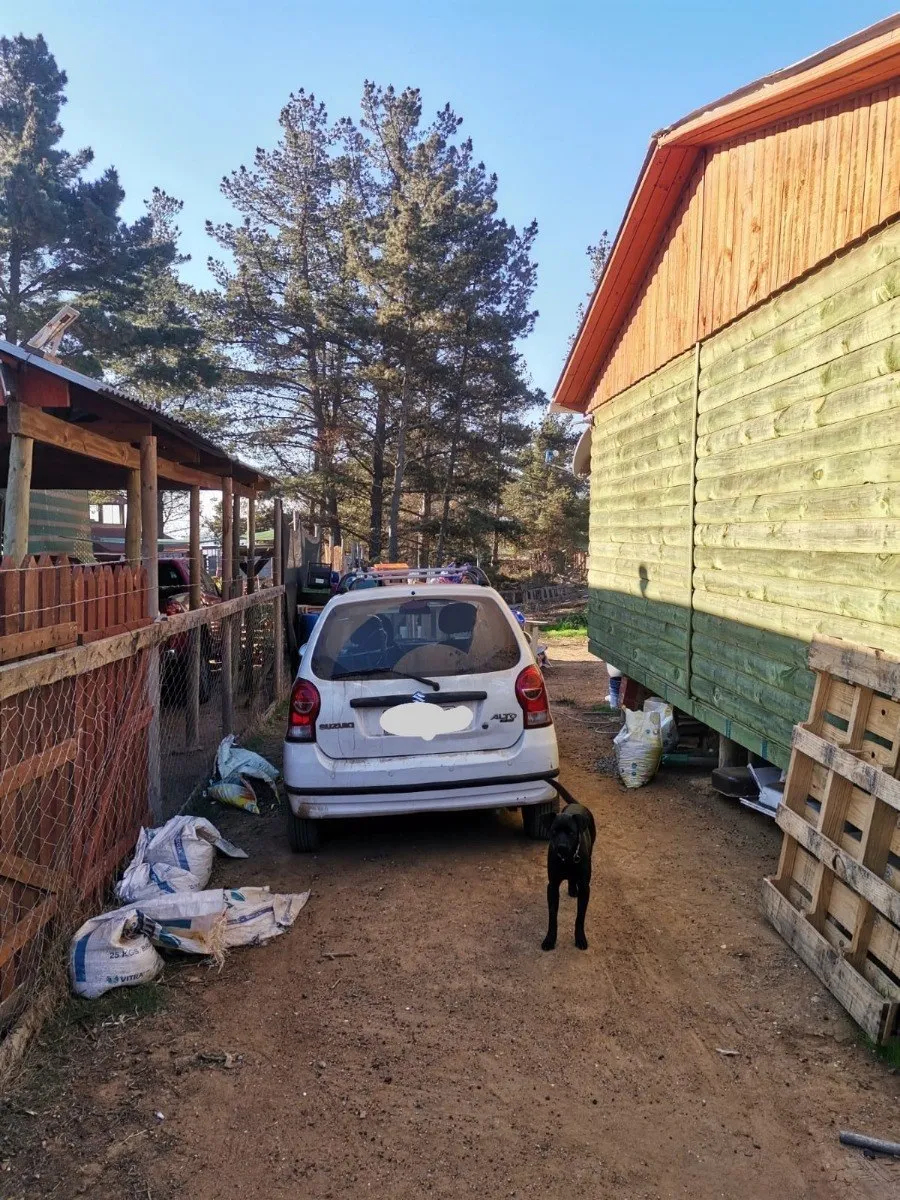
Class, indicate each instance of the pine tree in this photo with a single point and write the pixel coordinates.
(62, 240)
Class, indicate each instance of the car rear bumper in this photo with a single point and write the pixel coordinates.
(379, 802)
(318, 787)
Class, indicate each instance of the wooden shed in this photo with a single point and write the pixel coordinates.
(740, 364)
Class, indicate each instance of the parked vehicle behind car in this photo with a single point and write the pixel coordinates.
(456, 649)
(174, 597)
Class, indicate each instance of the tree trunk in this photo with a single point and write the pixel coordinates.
(495, 545)
(454, 447)
(399, 463)
(376, 495)
(13, 311)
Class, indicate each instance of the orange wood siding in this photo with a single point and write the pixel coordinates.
(758, 212)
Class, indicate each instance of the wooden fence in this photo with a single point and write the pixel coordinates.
(46, 605)
(76, 748)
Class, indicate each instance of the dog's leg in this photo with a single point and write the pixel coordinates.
(573, 888)
(584, 895)
(549, 942)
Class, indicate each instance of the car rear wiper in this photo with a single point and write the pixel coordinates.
(388, 671)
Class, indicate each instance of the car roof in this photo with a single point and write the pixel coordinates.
(439, 590)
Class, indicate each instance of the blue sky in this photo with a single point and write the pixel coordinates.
(559, 98)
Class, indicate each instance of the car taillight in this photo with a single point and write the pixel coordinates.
(532, 697)
(303, 711)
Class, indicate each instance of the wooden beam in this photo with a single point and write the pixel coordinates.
(27, 928)
(133, 518)
(37, 766)
(18, 495)
(173, 472)
(150, 521)
(32, 874)
(227, 516)
(150, 557)
(50, 668)
(278, 603)
(224, 629)
(868, 1009)
(192, 706)
(251, 542)
(865, 666)
(51, 431)
(37, 641)
(880, 894)
(869, 778)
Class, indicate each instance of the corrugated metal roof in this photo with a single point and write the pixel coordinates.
(101, 388)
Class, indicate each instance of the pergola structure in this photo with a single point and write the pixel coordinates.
(62, 429)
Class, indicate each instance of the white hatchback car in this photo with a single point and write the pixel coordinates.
(414, 698)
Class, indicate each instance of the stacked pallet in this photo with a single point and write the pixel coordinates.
(836, 896)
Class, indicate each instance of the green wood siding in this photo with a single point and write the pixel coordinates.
(796, 503)
(639, 566)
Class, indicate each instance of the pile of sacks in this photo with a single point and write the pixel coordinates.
(642, 741)
(235, 768)
(166, 907)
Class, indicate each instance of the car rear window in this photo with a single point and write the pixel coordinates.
(415, 635)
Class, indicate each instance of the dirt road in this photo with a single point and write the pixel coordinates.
(449, 1056)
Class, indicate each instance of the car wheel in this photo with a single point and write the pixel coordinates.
(303, 834)
(536, 819)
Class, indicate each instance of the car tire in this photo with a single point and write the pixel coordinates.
(303, 834)
(536, 819)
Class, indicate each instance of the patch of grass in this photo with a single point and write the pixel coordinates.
(889, 1054)
(569, 623)
(604, 708)
(119, 1005)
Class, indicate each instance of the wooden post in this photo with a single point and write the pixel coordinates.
(225, 631)
(250, 616)
(251, 543)
(731, 753)
(192, 700)
(133, 518)
(236, 589)
(278, 607)
(150, 557)
(18, 495)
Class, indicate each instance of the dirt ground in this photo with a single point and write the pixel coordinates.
(447, 1055)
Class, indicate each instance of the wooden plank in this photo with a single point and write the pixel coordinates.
(865, 666)
(860, 603)
(19, 677)
(790, 679)
(862, 775)
(37, 641)
(876, 323)
(51, 431)
(32, 874)
(26, 929)
(37, 766)
(868, 1009)
(758, 691)
(808, 303)
(18, 490)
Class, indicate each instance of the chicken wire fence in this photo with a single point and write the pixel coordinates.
(88, 758)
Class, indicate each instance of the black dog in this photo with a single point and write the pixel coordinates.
(572, 837)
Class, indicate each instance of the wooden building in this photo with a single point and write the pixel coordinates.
(740, 364)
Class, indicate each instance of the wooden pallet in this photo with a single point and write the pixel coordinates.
(835, 899)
